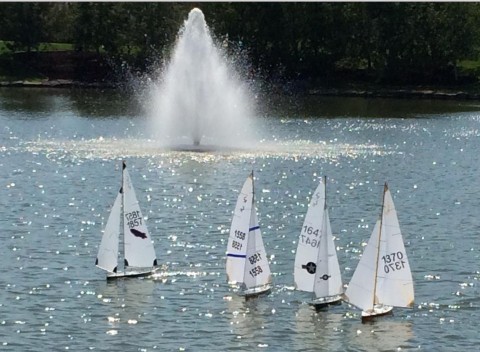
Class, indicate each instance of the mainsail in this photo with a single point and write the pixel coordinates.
(257, 271)
(328, 278)
(139, 250)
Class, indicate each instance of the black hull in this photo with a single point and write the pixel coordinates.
(123, 275)
(323, 305)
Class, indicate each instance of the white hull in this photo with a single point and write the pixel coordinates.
(377, 311)
(257, 291)
(131, 273)
(325, 301)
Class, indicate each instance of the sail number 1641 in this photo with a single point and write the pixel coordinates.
(307, 238)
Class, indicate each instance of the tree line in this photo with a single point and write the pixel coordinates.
(406, 42)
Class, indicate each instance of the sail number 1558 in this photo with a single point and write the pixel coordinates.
(256, 271)
(240, 235)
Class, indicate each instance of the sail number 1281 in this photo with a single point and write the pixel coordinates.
(134, 219)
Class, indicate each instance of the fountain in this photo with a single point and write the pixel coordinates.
(200, 102)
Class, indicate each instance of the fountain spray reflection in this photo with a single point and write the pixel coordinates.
(200, 103)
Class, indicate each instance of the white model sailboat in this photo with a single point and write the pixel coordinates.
(316, 263)
(139, 253)
(382, 278)
(247, 263)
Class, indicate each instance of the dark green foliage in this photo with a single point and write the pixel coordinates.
(22, 24)
(408, 43)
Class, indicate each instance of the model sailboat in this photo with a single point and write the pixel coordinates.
(247, 263)
(383, 278)
(316, 264)
(139, 253)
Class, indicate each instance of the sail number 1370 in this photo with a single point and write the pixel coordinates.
(393, 262)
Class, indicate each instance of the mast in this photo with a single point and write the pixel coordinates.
(249, 226)
(253, 189)
(122, 212)
(321, 240)
(385, 188)
(325, 183)
(325, 194)
(324, 226)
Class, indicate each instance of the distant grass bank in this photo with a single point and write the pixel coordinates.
(59, 65)
(51, 62)
(6, 47)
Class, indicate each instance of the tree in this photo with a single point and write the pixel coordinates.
(22, 24)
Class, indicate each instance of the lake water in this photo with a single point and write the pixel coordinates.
(60, 158)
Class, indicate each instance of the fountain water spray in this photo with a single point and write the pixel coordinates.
(200, 100)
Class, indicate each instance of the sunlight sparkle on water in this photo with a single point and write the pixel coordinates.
(124, 148)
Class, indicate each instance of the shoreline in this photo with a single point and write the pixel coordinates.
(400, 93)
(381, 92)
(55, 83)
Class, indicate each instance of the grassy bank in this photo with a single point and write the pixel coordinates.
(51, 62)
(58, 65)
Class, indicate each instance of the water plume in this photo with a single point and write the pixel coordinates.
(200, 102)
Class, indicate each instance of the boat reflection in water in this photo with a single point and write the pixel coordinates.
(388, 334)
(248, 319)
(124, 302)
(314, 329)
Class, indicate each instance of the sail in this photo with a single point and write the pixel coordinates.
(383, 274)
(309, 242)
(239, 232)
(257, 270)
(394, 282)
(139, 250)
(360, 290)
(328, 278)
(107, 257)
